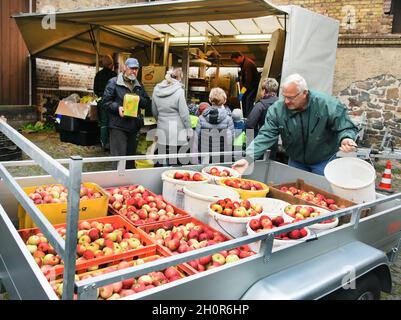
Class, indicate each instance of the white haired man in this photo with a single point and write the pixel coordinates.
(312, 125)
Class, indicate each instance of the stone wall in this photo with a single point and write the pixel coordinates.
(379, 97)
(358, 64)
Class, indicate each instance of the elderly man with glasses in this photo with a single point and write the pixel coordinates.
(312, 125)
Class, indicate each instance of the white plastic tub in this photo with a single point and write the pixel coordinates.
(173, 188)
(352, 179)
(271, 207)
(317, 226)
(197, 198)
(232, 227)
(216, 179)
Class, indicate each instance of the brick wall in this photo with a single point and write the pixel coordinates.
(365, 16)
(54, 74)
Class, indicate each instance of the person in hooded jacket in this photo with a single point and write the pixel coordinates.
(169, 107)
(124, 130)
(256, 119)
(215, 128)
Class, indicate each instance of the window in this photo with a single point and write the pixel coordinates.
(396, 12)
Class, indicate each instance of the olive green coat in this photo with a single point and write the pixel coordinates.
(309, 136)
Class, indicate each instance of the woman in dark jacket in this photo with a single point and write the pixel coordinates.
(123, 129)
(256, 118)
(215, 128)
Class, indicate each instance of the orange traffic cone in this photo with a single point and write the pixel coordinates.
(385, 183)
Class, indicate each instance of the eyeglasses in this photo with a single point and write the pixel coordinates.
(292, 98)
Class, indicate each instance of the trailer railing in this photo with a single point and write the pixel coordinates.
(87, 289)
(71, 179)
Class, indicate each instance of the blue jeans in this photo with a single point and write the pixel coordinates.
(317, 168)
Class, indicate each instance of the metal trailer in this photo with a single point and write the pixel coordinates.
(354, 255)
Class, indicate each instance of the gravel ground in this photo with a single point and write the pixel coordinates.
(51, 144)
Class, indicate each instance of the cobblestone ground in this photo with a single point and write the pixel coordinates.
(51, 144)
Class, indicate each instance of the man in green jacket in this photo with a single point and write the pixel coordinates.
(312, 125)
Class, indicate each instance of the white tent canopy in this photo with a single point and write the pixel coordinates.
(126, 26)
(310, 45)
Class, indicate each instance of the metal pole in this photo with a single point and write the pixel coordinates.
(166, 49)
(97, 49)
(74, 188)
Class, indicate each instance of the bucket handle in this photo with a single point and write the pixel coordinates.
(217, 221)
(312, 237)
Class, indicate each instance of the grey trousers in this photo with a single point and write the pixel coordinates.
(123, 143)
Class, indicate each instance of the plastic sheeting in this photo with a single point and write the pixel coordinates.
(311, 47)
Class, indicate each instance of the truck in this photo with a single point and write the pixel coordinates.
(350, 261)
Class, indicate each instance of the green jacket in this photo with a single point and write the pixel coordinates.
(310, 136)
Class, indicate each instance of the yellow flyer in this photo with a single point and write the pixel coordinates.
(131, 104)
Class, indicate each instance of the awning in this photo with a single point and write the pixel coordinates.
(126, 27)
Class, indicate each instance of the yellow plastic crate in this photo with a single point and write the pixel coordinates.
(56, 213)
(247, 194)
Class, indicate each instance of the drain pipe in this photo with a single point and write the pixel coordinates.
(30, 64)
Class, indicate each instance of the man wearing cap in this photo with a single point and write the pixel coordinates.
(124, 130)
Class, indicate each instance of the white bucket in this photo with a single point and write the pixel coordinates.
(173, 188)
(277, 243)
(352, 179)
(197, 198)
(272, 207)
(232, 227)
(215, 179)
(317, 227)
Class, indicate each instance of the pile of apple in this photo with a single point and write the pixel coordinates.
(139, 205)
(185, 237)
(219, 173)
(236, 209)
(191, 236)
(310, 196)
(95, 239)
(57, 193)
(243, 184)
(127, 287)
(304, 212)
(221, 258)
(186, 176)
(266, 223)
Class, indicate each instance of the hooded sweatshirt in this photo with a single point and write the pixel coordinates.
(170, 109)
(214, 125)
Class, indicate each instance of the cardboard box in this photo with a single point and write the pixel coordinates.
(77, 110)
(276, 193)
(131, 105)
(153, 74)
